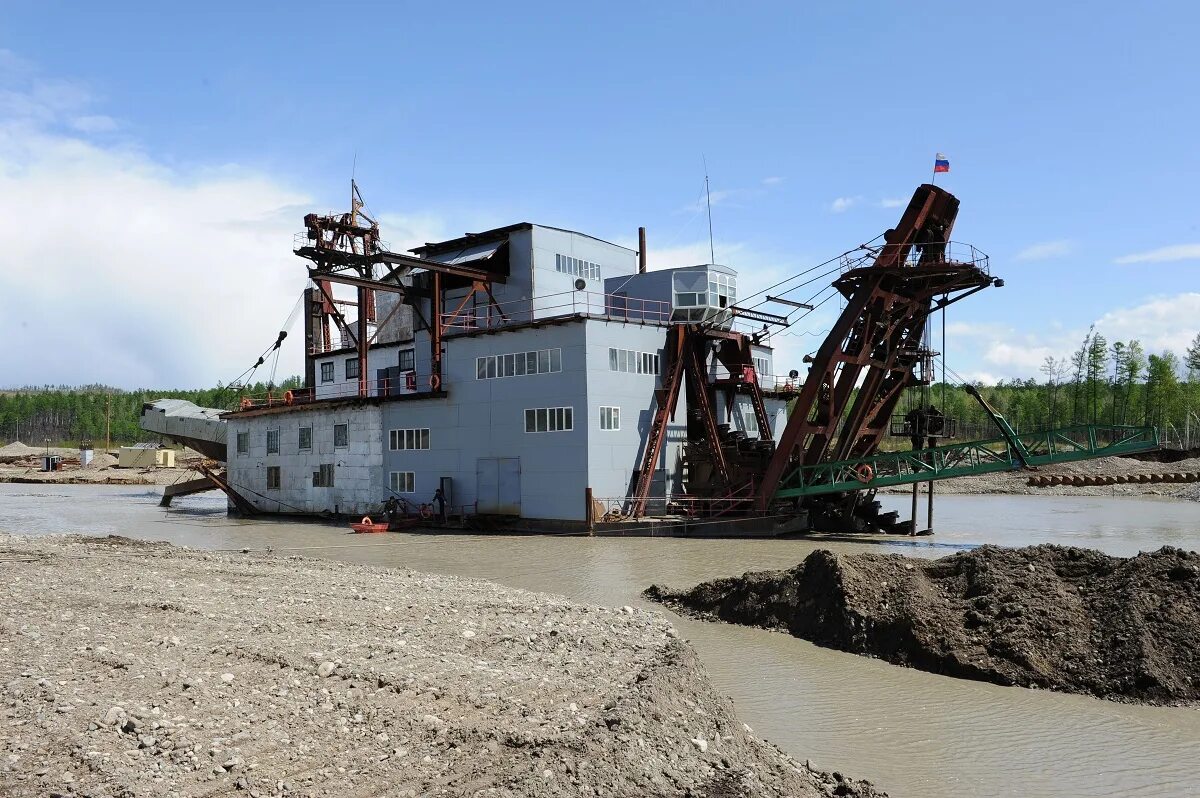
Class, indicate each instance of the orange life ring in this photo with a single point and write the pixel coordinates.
(864, 473)
(366, 520)
(246, 403)
(435, 381)
(288, 398)
(426, 511)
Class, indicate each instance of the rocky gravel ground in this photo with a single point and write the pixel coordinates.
(140, 669)
(1053, 617)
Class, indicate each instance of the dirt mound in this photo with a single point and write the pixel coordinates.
(101, 460)
(1054, 617)
(18, 449)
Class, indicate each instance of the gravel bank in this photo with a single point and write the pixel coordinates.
(1068, 619)
(1015, 482)
(138, 669)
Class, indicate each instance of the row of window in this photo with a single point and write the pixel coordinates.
(321, 478)
(518, 364)
(402, 481)
(550, 419)
(408, 362)
(542, 419)
(399, 439)
(341, 439)
(580, 268)
(632, 362)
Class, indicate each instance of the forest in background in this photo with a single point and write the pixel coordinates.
(1101, 382)
(66, 416)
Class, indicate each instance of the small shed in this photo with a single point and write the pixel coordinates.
(145, 455)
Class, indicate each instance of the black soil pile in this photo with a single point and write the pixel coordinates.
(1068, 619)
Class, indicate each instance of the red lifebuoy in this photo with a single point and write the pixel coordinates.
(864, 473)
(426, 511)
(246, 403)
(366, 520)
(435, 381)
(288, 398)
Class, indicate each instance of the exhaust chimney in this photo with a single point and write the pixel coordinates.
(641, 250)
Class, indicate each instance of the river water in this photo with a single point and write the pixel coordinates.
(915, 734)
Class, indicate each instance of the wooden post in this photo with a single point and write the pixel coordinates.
(590, 515)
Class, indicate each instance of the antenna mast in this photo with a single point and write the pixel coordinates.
(708, 199)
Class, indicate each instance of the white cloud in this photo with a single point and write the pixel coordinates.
(843, 204)
(1163, 254)
(893, 202)
(1160, 323)
(772, 181)
(1167, 322)
(1046, 250)
(122, 270)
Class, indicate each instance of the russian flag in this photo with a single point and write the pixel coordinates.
(941, 163)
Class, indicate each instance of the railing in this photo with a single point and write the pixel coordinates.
(301, 240)
(407, 383)
(681, 505)
(1080, 442)
(956, 252)
(566, 303)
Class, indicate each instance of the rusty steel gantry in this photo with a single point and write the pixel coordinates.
(844, 407)
(347, 252)
(875, 344)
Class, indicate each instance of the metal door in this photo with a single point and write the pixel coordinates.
(510, 486)
(498, 485)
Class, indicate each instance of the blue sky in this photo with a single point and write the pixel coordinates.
(159, 156)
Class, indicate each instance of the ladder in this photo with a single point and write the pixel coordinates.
(704, 406)
(665, 399)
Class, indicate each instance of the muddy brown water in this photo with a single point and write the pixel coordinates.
(913, 733)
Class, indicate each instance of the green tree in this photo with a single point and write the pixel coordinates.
(1097, 370)
(1192, 359)
(1079, 361)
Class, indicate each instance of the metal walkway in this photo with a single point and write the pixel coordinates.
(1082, 442)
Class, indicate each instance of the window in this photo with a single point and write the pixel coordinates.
(610, 418)
(272, 441)
(550, 419)
(402, 481)
(243, 443)
(518, 364)
(632, 362)
(326, 372)
(324, 477)
(749, 419)
(352, 368)
(760, 366)
(408, 439)
(408, 360)
(577, 267)
(341, 436)
(304, 443)
(272, 477)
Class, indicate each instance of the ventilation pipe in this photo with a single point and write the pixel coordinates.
(641, 250)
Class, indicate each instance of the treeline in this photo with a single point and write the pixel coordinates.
(1101, 382)
(66, 416)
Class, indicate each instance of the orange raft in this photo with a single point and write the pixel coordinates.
(366, 525)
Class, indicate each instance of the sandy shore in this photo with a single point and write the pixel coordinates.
(21, 463)
(139, 669)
